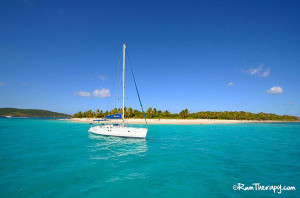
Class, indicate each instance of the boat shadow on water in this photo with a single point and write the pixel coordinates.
(107, 147)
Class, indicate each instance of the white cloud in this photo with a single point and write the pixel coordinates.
(259, 71)
(1, 84)
(102, 77)
(256, 71)
(98, 93)
(275, 90)
(101, 93)
(83, 93)
(229, 84)
(266, 73)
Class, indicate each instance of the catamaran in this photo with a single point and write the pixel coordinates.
(121, 130)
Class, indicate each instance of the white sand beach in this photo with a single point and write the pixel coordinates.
(172, 121)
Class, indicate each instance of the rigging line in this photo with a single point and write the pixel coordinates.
(118, 69)
(137, 91)
(120, 79)
(118, 89)
(117, 75)
(114, 91)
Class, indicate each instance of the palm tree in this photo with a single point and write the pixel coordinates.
(97, 113)
(184, 113)
(149, 112)
(130, 112)
(166, 113)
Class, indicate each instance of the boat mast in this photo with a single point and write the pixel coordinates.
(123, 83)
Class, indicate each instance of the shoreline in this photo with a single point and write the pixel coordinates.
(173, 121)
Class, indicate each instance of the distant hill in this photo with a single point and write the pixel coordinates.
(14, 112)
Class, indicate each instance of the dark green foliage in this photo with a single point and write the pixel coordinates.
(30, 113)
(185, 114)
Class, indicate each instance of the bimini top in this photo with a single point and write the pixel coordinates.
(114, 116)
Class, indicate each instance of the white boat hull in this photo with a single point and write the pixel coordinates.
(119, 131)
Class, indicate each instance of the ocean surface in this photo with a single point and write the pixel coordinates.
(53, 158)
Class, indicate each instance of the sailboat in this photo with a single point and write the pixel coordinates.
(121, 130)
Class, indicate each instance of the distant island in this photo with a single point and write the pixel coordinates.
(153, 113)
(14, 112)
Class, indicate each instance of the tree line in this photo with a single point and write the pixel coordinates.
(186, 114)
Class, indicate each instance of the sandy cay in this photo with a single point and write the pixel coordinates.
(171, 121)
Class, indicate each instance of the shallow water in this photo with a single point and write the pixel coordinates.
(51, 158)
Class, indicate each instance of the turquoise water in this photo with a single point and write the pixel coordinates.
(51, 158)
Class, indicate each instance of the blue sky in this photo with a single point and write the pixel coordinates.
(201, 55)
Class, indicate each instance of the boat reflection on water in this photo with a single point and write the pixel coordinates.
(107, 147)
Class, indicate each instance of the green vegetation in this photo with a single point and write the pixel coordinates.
(29, 113)
(185, 114)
